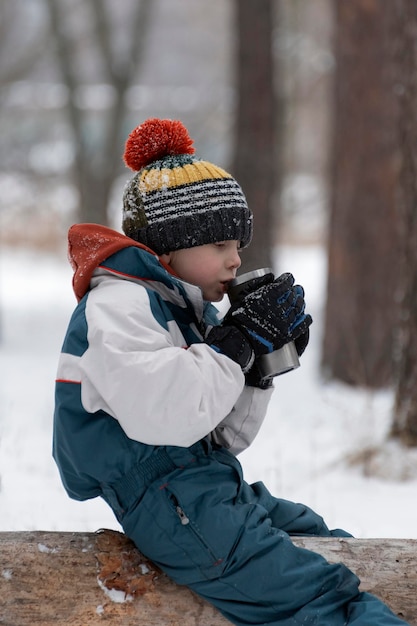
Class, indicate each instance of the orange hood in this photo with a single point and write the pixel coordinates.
(88, 246)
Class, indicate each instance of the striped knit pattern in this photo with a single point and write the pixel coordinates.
(181, 202)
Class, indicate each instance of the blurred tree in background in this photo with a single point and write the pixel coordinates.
(361, 309)
(371, 314)
(405, 409)
(97, 134)
(254, 163)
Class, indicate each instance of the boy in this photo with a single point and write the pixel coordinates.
(155, 397)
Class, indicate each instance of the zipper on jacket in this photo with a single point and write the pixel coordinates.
(185, 521)
(183, 518)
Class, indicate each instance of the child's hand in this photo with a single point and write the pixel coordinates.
(231, 342)
(272, 315)
(263, 321)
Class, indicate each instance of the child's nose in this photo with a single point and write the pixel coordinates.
(236, 260)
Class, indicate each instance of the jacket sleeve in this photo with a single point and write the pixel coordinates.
(237, 431)
(138, 371)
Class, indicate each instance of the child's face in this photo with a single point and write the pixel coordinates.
(211, 266)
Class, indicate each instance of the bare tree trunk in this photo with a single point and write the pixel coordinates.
(254, 163)
(405, 410)
(96, 167)
(363, 249)
(84, 579)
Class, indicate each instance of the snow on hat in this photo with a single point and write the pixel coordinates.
(175, 200)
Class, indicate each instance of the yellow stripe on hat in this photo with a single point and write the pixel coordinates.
(166, 178)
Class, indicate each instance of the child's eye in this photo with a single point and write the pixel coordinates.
(225, 244)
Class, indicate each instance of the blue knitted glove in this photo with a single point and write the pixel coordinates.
(272, 315)
(261, 321)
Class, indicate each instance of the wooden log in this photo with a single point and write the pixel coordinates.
(84, 579)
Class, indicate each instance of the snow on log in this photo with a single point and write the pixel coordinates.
(84, 579)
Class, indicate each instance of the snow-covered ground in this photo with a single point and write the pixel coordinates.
(304, 451)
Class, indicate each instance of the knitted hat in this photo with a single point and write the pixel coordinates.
(176, 201)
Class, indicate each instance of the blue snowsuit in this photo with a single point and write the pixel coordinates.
(184, 504)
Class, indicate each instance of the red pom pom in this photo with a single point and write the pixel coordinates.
(155, 139)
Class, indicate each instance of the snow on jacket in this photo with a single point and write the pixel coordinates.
(134, 372)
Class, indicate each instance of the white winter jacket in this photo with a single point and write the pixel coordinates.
(145, 362)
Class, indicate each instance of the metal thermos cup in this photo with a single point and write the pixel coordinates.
(280, 361)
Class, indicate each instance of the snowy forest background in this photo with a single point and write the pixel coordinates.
(311, 105)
